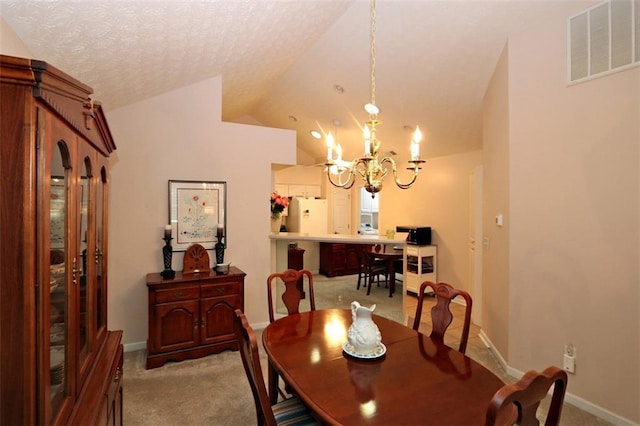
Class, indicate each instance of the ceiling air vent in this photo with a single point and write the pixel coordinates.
(603, 39)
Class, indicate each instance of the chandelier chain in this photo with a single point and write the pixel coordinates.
(373, 52)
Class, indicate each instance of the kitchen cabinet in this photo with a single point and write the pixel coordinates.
(340, 258)
(191, 316)
(282, 189)
(306, 191)
(368, 203)
(298, 190)
(60, 364)
(420, 265)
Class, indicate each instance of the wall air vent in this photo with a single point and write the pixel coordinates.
(603, 39)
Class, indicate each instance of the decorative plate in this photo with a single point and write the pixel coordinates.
(380, 350)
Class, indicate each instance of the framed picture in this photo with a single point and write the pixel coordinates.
(197, 213)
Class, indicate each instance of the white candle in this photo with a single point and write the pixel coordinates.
(329, 147)
(220, 230)
(415, 151)
(415, 144)
(167, 231)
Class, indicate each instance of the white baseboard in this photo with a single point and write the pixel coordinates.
(260, 325)
(136, 346)
(581, 403)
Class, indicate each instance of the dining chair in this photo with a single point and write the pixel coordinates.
(294, 290)
(517, 403)
(441, 316)
(290, 411)
(371, 268)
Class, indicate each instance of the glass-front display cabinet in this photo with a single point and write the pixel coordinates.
(53, 258)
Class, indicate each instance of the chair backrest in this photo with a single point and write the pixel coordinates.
(251, 361)
(441, 316)
(372, 265)
(517, 403)
(293, 293)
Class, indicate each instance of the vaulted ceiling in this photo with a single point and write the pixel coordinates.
(280, 61)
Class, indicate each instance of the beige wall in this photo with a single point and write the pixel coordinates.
(573, 220)
(439, 199)
(10, 43)
(179, 135)
(304, 175)
(495, 266)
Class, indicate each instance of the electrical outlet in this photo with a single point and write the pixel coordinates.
(569, 358)
(569, 364)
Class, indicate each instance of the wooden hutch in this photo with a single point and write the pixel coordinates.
(59, 364)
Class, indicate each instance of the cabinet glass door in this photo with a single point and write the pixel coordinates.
(101, 314)
(85, 267)
(59, 273)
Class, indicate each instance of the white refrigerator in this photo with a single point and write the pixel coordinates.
(308, 216)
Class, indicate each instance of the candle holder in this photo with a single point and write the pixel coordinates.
(167, 254)
(219, 247)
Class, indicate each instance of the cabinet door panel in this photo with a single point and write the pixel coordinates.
(100, 255)
(176, 325)
(56, 365)
(218, 317)
(339, 259)
(353, 258)
(85, 267)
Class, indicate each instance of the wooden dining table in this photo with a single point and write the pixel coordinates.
(416, 381)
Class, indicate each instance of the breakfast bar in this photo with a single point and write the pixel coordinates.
(324, 249)
(280, 244)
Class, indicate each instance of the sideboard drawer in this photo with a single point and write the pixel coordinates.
(177, 294)
(220, 289)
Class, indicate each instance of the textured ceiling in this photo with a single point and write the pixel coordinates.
(282, 59)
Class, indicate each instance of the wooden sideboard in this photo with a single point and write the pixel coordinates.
(340, 258)
(191, 316)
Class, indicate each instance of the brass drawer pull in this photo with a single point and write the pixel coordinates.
(178, 294)
(221, 289)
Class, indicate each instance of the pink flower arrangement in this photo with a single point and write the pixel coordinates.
(278, 204)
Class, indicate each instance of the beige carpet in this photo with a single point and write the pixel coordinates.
(214, 390)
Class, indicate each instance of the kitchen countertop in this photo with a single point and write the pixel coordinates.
(338, 238)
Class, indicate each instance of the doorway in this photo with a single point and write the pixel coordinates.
(475, 242)
(341, 211)
(369, 208)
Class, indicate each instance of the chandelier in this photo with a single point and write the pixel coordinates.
(369, 167)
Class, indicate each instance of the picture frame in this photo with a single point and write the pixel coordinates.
(197, 213)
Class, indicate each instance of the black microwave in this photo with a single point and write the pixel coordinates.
(417, 235)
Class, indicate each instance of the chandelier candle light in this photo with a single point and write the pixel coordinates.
(341, 173)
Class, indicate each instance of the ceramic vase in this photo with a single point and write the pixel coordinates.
(276, 221)
(363, 333)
